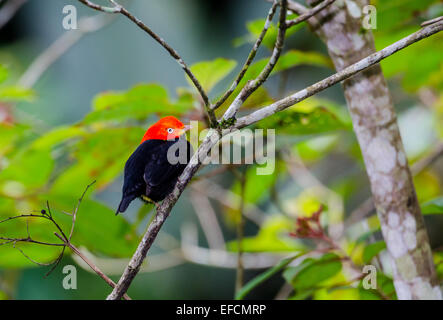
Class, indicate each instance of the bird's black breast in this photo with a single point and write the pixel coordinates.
(154, 167)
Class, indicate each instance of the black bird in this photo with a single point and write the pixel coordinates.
(149, 173)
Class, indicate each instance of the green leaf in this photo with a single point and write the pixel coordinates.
(397, 19)
(40, 229)
(385, 288)
(302, 295)
(248, 287)
(16, 93)
(396, 14)
(307, 118)
(255, 28)
(12, 258)
(272, 237)
(97, 156)
(137, 103)
(9, 135)
(3, 73)
(31, 168)
(142, 212)
(293, 58)
(209, 73)
(372, 250)
(58, 135)
(96, 227)
(434, 206)
(438, 262)
(311, 272)
(256, 185)
(288, 60)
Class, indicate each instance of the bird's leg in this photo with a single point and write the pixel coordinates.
(149, 200)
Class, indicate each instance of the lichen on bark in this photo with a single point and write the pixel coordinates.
(375, 125)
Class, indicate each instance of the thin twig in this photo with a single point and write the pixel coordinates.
(253, 85)
(220, 258)
(114, 9)
(89, 263)
(240, 234)
(250, 58)
(118, 8)
(429, 22)
(339, 76)
(368, 205)
(213, 137)
(74, 213)
(229, 199)
(30, 241)
(312, 12)
(66, 241)
(208, 220)
(8, 11)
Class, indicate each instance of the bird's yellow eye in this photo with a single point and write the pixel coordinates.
(170, 130)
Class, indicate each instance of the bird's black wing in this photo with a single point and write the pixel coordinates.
(163, 171)
(134, 185)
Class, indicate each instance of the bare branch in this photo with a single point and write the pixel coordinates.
(339, 76)
(122, 10)
(66, 241)
(250, 58)
(229, 199)
(74, 213)
(253, 85)
(213, 137)
(208, 220)
(240, 234)
(368, 205)
(429, 22)
(115, 9)
(221, 258)
(425, 162)
(162, 214)
(32, 260)
(89, 263)
(8, 10)
(305, 16)
(9, 240)
(297, 8)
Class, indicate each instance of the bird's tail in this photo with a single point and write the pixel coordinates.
(124, 203)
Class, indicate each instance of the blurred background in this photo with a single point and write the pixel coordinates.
(74, 105)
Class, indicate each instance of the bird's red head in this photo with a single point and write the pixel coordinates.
(167, 128)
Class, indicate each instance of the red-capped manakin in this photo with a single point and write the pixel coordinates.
(148, 172)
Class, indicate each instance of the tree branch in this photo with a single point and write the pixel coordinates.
(375, 125)
(122, 10)
(250, 58)
(308, 14)
(66, 241)
(253, 85)
(240, 233)
(213, 137)
(368, 205)
(339, 76)
(90, 264)
(8, 11)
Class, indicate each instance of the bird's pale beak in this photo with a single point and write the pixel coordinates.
(184, 129)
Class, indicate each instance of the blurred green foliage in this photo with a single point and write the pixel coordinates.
(57, 165)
